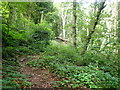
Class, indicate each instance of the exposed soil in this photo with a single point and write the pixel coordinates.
(40, 78)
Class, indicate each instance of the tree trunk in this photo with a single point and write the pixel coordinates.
(74, 23)
(9, 17)
(94, 26)
(41, 16)
(118, 34)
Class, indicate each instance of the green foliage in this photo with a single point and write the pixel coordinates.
(23, 33)
(90, 70)
(61, 53)
(43, 32)
(28, 28)
(26, 41)
(12, 78)
(25, 29)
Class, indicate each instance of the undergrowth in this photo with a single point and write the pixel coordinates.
(77, 71)
(12, 77)
(21, 42)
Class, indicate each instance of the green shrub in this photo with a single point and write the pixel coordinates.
(62, 53)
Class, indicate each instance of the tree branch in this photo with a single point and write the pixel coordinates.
(94, 26)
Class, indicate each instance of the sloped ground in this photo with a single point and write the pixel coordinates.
(40, 78)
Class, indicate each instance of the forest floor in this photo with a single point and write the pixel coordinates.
(40, 78)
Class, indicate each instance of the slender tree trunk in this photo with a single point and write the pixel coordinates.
(94, 26)
(64, 23)
(41, 16)
(63, 28)
(116, 17)
(118, 34)
(74, 23)
(9, 17)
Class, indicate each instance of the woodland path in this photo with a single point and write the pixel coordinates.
(40, 78)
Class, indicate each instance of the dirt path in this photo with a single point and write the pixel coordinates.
(40, 78)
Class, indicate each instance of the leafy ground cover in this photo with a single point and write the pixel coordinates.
(12, 77)
(40, 78)
(69, 52)
(23, 76)
(75, 71)
(61, 66)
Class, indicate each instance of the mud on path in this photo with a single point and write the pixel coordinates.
(40, 78)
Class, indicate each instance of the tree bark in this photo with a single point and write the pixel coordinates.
(41, 16)
(74, 23)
